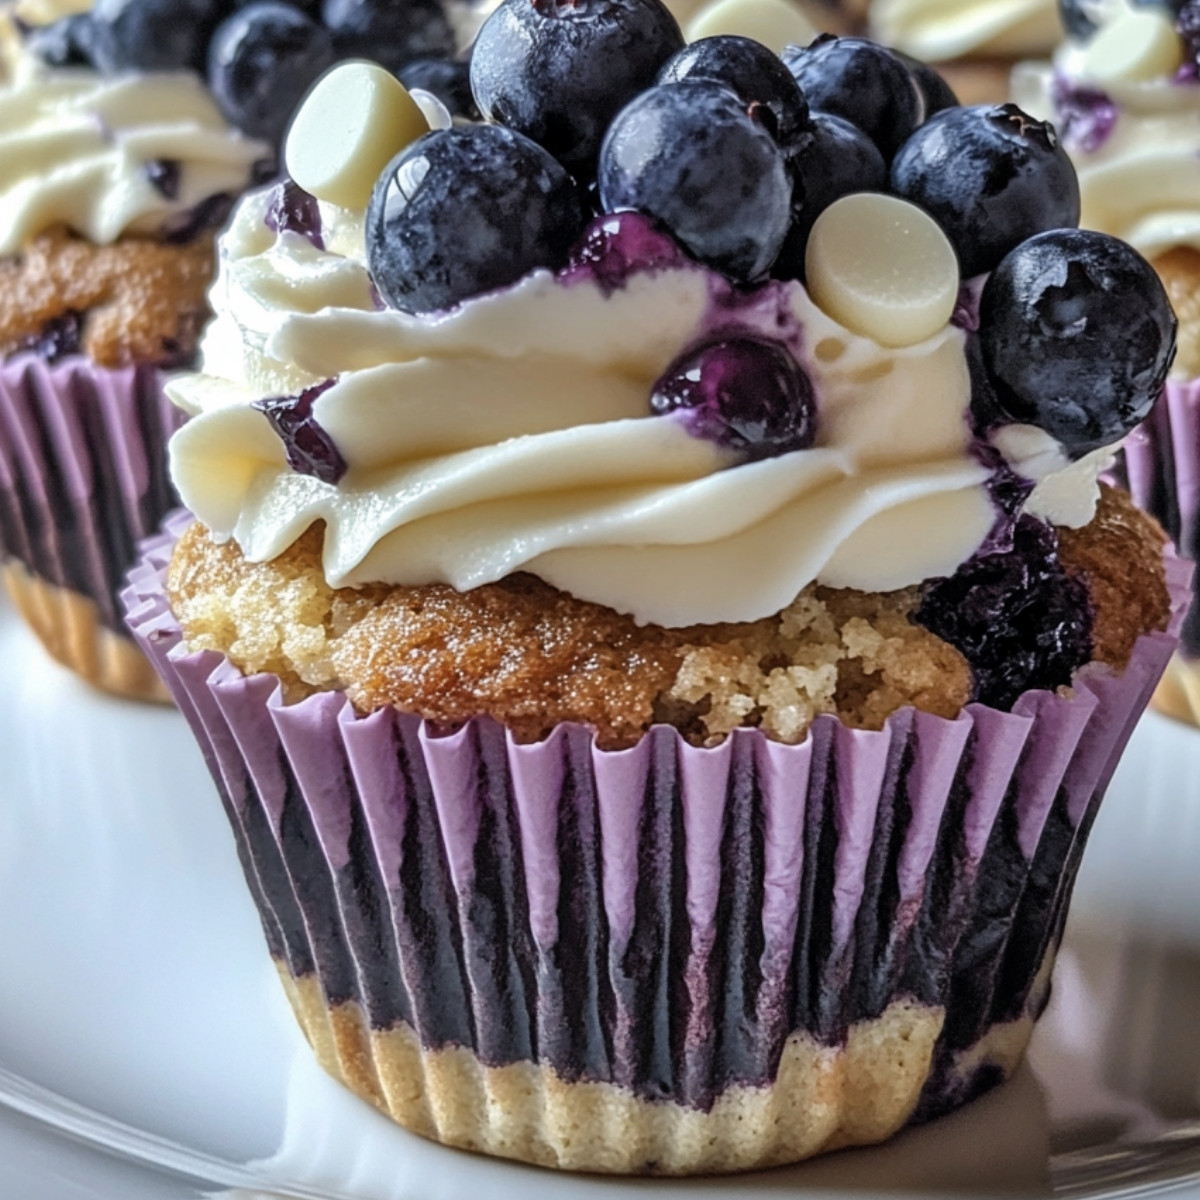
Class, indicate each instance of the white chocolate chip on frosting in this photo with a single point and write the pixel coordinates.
(353, 122)
(775, 23)
(1140, 45)
(883, 268)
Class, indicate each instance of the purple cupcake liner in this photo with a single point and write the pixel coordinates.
(83, 472)
(660, 918)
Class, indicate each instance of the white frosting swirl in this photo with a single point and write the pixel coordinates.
(937, 30)
(1140, 179)
(74, 147)
(514, 433)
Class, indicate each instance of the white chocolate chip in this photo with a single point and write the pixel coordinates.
(355, 119)
(775, 23)
(432, 109)
(1140, 45)
(883, 268)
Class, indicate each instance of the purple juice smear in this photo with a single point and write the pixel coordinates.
(309, 448)
(616, 246)
(1086, 116)
(293, 210)
(1017, 617)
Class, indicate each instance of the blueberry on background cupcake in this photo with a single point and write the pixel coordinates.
(660, 702)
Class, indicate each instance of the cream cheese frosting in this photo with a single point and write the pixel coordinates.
(75, 147)
(1135, 145)
(514, 434)
(937, 30)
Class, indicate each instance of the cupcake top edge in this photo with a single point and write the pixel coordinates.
(665, 408)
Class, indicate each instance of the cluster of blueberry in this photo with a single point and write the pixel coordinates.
(596, 106)
(260, 57)
(1082, 19)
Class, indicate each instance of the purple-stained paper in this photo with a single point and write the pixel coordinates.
(660, 918)
(1160, 464)
(83, 474)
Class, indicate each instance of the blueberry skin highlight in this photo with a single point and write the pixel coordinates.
(392, 33)
(153, 35)
(1077, 336)
(261, 62)
(559, 71)
(755, 75)
(838, 161)
(64, 43)
(991, 176)
(862, 83)
(464, 211)
(688, 154)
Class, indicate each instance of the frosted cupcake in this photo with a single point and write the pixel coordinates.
(1123, 92)
(974, 42)
(660, 706)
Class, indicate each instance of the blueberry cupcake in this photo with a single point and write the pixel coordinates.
(1122, 90)
(973, 42)
(661, 702)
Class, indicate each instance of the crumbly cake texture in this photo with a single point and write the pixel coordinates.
(1179, 269)
(139, 301)
(823, 1097)
(531, 656)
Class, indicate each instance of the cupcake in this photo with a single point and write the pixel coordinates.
(129, 131)
(1123, 92)
(973, 42)
(661, 703)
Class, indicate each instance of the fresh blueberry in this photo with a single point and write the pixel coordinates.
(1017, 617)
(65, 43)
(617, 246)
(861, 82)
(1077, 336)
(446, 79)
(390, 32)
(261, 62)
(1188, 25)
(464, 211)
(742, 393)
(153, 35)
(1082, 18)
(936, 93)
(309, 448)
(755, 74)
(991, 176)
(559, 71)
(165, 174)
(839, 160)
(689, 155)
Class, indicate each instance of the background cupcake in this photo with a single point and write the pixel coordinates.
(661, 706)
(1123, 93)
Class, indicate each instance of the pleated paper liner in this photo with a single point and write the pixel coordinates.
(83, 479)
(668, 959)
(1160, 465)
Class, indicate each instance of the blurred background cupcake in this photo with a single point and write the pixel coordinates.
(1124, 92)
(661, 703)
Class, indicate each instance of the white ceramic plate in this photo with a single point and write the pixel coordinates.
(146, 1050)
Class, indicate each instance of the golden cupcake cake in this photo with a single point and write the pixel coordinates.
(656, 629)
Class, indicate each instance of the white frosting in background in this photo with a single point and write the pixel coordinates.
(514, 433)
(936, 30)
(74, 145)
(1140, 182)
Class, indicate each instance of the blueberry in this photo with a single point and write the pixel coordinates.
(742, 393)
(1077, 336)
(755, 74)
(1188, 25)
(390, 32)
(1017, 617)
(58, 338)
(1082, 18)
(293, 210)
(617, 246)
(688, 154)
(861, 82)
(559, 71)
(446, 79)
(65, 43)
(261, 62)
(153, 35)
(464, 211)
(839, 160)
(936, 94)
(309, 448)
(991, 176)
